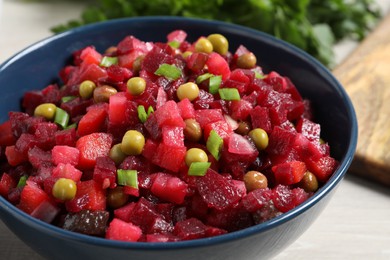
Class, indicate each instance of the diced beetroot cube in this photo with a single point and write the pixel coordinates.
(123, 231)
(117, 108)
(66, 137)
(222, 128)
(214, 231)
(38, 157)
(289, 172)
(90, 195)
(240, 110)
(129, 44)
(6, 136)
(283, 198)
(93, 121)
(76, 107)
(86, 72)
(93, 146)
(90, 56)
(25, 143)
(169, 188)
(169, 115)
(31, 197)
(177, 36)
(104, 172)
(240, 185)
(205, 100)
(260, 118)
(240, 75)
(309, 129)
(300, 195)
(45, 135)
(322, 167)
(159, 225)
(118, 74)
(6, 184)
(197, 61)
(14, 156)
(155, 58)
(127, 60)
(186, 109)
(131, 191)
(278, 82)
(124, 212)
(256, 199)
(217, 191)
(150, 149)
(169, 157)
(280, 142)
(206, 116)
(144, 214)
(173, 136)
(230, 219)
(190, 229)
(217, 65)
(65, 154)
(67, 171)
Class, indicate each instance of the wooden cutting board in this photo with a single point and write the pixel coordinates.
(365, 74)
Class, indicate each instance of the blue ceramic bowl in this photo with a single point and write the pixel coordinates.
(38, 65)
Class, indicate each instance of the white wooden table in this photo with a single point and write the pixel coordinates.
(355, 224)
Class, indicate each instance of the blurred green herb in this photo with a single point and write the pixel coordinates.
(312, 25)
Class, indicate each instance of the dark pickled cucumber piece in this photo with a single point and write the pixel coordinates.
(87, 222)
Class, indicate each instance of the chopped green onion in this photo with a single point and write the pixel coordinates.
(128, 178)
(229, 94)
(214, 84)
(67, 98)
(198, 168)
(214, 144)
(142, 115)
(22, 181)
(74, 125)
(174, 44)
(258, 75)
(61, 117)
(150, 110)
(169, 71)
(203, 77)
(108, 61)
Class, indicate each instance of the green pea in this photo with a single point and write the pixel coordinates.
(46, 110)
(255, 180)
(192, 131)
(219, 42)
(86, 89)
(309, 182)
(195, 155)
(103, 93)
(116, 153)
(116, 198)
(132, 142)
(188, 90)
(64, 189)
(259, 137)
(203, 45)
(246, 61)
(136, 86)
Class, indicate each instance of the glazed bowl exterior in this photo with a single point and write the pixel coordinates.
(39, 64)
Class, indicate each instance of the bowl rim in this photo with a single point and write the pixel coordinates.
(337, 176)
